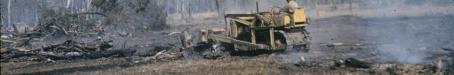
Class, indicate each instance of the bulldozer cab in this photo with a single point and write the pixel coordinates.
(271, 18)
(299, 17)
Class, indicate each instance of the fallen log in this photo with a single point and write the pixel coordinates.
(68, 50)
(68, 55)
(448, 49)
(352, 62)
(89, 55)
(6, 43)
(163, 55)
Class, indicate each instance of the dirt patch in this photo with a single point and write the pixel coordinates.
(338, 49)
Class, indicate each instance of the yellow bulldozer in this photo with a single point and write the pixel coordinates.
(263, 31)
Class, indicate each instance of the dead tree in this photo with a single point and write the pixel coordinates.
(69, 50)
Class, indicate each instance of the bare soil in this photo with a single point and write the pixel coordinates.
(354, 33)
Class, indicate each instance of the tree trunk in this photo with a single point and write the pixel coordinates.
(68, 3)
(88, 9)
(9, 12)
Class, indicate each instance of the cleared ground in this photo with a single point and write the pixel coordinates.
(365, 39)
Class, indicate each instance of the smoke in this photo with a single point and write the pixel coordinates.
(411, 39)
(401, 28)
(394, 53)
(402, 31)
(407, 35)
(293, 57)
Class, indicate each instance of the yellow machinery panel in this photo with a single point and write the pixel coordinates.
(299, 16)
